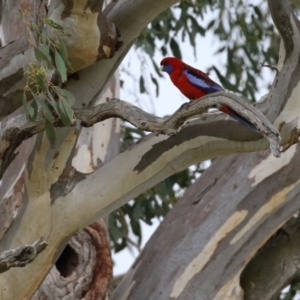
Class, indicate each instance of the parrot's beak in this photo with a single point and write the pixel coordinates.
(162, 68)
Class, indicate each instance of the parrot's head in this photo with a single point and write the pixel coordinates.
(168, 64)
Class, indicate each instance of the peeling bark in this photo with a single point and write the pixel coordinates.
(206, 240)
(22, 256)
(77, 18)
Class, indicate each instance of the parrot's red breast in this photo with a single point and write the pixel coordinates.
(195, 84)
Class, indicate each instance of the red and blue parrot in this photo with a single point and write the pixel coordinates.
(195, 84)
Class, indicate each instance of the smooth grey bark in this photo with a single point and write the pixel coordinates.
(206, 240)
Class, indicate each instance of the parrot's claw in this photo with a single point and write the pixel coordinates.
(185, 106)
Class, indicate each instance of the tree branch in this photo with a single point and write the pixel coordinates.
(286, 22)
(170, 125)
(78, 19)
(18, 129)
(22, 256)
(13, 132)
(233, 209)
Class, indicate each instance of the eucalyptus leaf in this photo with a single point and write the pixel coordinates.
(154, 80)
(175, 48)
(52, 102)
(29, 110)
(44, 36)
(41, 82)
(137, 212)
(54, 24)
(35, 108)
(63, 50)
(61, 67)
(65, 112)
(67, 95)
(45, 108)
(50, 132)
(142, 85)
(42, 54)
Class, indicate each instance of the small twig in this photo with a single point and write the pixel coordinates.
(22, 256)
(271, 67)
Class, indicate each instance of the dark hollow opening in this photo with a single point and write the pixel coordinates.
(67, 262)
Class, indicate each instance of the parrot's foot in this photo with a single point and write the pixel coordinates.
(185, 106)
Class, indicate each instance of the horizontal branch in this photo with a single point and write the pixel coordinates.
(18, 129)
(22, 256)
(170, 125)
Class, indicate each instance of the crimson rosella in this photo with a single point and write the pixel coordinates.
(195, 84)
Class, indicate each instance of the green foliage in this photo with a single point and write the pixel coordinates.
(51, 56)
(52, 24)
(245, 34)
(61, 67)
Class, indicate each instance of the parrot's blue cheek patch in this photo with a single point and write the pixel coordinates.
(168, 68)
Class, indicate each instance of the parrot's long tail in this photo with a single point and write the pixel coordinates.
(227, 110)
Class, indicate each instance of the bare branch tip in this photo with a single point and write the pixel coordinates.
(271, 67)
(21, 256)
